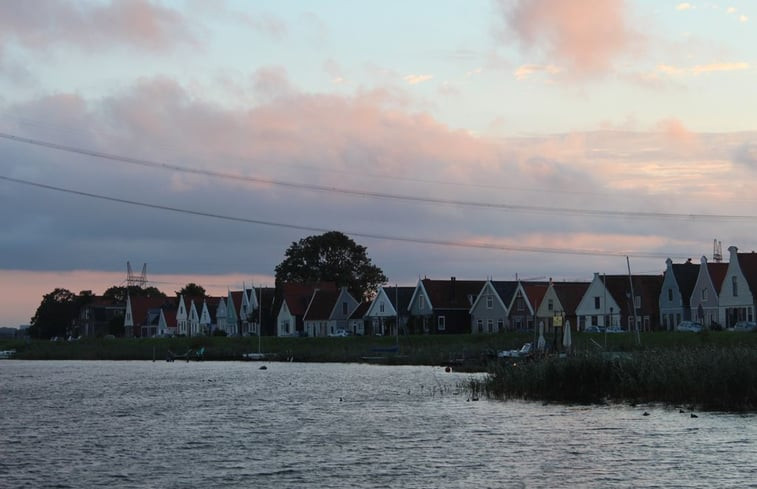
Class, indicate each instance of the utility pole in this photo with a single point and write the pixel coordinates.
(633, 303)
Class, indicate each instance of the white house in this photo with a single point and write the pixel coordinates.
(736, 300)
(598, 307)
(704, 297)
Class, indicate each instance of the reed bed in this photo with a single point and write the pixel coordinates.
(709, 377)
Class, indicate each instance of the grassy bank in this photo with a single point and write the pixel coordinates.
(712, 377)
(468, 351)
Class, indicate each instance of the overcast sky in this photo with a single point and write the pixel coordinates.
(474, 139)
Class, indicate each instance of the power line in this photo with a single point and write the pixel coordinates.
(393, 178)
(386, 237)
(382, 195)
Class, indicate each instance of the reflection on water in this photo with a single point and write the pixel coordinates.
(171, 425)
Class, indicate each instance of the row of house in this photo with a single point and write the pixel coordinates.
(711, 293)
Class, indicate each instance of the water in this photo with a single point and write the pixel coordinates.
(207, 425)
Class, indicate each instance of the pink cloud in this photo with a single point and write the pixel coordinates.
(136, 23)
(585, 37)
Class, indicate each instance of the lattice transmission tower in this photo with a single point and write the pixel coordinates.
(132, 279)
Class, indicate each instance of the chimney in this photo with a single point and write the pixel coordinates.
(452, 289)
(733, 250)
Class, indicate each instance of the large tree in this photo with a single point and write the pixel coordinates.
(191, 290)
(331, 257)
(118, 292)
(56, 313)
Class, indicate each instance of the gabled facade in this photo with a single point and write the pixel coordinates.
(607, 302)
(598, 307)
(560, 300)
(328, 311)
(193, 319)
(137, 318)
(489, 312)
(357, 322)
(182, 317)
(737, 297)
(523, 306)
(704, 298)
(389, 306)
(294, 304)
(675, 296)
(443, 306)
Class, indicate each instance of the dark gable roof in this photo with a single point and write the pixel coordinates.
(169, 312)
(505, 290)
(236, 297)
(648, 287)
(362, 308)
(717, 273)
(570, 294)
(748, 264)
(686, 277)
(453, 293)
(401, 294)
(321, 305)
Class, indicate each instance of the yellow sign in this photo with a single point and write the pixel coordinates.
(557, 321)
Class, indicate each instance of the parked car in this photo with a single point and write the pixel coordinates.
(614, 329)
(340, 333)
(594, 329)
(690, 326)
(745, 326)
(524, 351)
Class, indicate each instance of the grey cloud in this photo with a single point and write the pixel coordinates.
(366, 143)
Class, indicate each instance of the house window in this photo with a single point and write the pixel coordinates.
(520, 304)
(637, 301)
(381, 306)
(500, 324)
(704, 294)
(421, 303)
(550, 305)
(670, 295)
(735, 286)
(489, 302)
(490, 325)
(285, 326)
(440, 323)
(480, 324)
(596, 302)
(594, 320)
(344, 308)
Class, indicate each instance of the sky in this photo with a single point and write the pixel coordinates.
(476, 139)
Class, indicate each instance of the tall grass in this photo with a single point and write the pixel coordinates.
(709, 377)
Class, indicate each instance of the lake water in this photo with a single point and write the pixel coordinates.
(208, 425)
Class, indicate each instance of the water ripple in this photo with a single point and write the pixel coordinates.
(182, 425)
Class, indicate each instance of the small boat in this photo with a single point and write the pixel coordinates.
(7, 354)
(253, 356)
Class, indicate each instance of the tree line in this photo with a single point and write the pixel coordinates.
(329, 257)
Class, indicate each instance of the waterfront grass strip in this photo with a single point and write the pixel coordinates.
(712, 378)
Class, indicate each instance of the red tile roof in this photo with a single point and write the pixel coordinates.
(535, 293)
(570, 294)
(297, 296)
(748, 265)
(717, 273)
